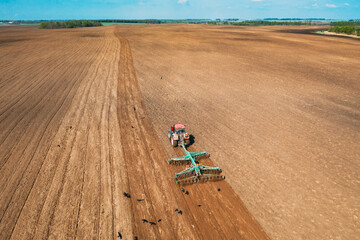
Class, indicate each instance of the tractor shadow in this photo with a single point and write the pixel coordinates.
(192, 139)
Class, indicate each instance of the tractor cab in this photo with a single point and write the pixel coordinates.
(179, 129)
(178, 135)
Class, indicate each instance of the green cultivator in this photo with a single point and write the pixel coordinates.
(195, 173)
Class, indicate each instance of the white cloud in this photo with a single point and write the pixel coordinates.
(257, 0)
(330, 5)
(315, 5)
(346, 4)
(182, 1)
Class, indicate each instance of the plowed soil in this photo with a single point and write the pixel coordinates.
(84, 115)
(75, 136)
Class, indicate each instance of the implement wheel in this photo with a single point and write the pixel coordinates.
(174, 143)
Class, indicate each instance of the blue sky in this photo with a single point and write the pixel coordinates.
(177, 9)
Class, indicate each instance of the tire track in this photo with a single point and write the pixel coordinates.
(29, 52)
(70, 100)
(41, 81)
(31, 149)
(24, 115)
(62, 223)
(30, 72)
(91, 197)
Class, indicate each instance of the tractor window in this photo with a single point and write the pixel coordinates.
(180, 131)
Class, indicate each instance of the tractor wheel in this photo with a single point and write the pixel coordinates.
(174, 143)
(169, 134)
(187, 142)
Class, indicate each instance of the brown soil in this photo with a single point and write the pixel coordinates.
(75, 135)
(278, 108)
(84, 115)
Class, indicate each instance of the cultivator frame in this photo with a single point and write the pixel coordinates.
(195, 173)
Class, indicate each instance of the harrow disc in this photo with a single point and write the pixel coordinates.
(198, 157)
(214, 171)
(187, 181)
(213, 178)
(185, 175)
(179, 162)
(203, 179)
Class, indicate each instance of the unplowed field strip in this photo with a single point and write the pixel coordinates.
(75, 136)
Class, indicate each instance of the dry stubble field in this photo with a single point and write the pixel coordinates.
(84, 115)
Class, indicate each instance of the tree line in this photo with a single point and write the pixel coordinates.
(345, 23)
(351, 30)
(348, 27)
(69, 24)
(262, 23)
(147, 21)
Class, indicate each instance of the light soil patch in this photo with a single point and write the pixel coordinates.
(336, 34)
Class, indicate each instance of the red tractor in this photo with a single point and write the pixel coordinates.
(178, 135)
